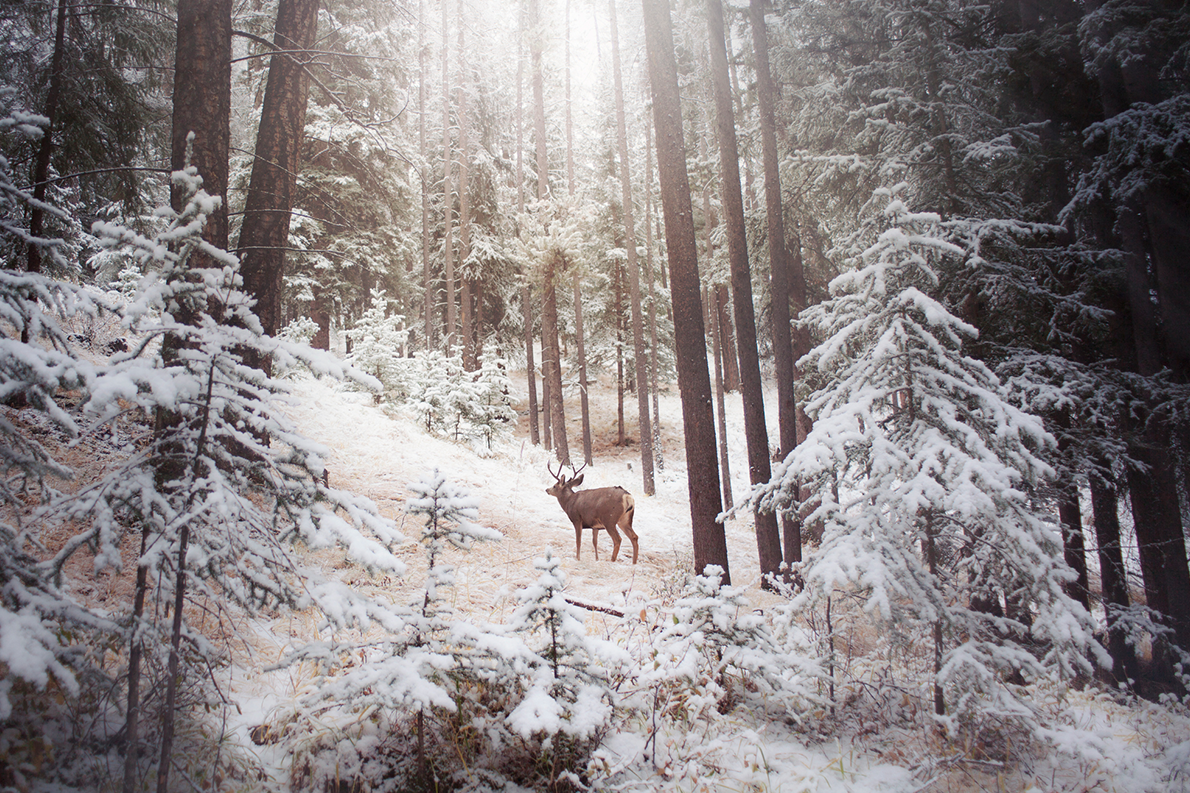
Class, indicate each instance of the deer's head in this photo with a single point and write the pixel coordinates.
(564, 486)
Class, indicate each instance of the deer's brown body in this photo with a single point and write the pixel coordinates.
(605, 508)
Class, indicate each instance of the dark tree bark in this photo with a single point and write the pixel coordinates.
(547, 434)
(268, 206)
(1070, 516)
(710, 542)
(202, 103)
(424, 152)
(470, 355)
(526, 304)
(448, 262)
(779, 264)
(1113, 576)
(618, 293)
(45, 149)
(731, 362)
(200, 127)
(768, 539)
(136, 652)
(1162, 545)
(717, 350)
(321, 314)
(658, 449)
(551, 354)
(640, 360)
(530, 366)
(580, 346)
(581, 352)
(1140, 219)
(550, 363)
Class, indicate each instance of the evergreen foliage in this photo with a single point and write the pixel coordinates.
(926, 474)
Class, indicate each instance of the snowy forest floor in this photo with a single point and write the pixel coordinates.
(874, 733)
(878, 738)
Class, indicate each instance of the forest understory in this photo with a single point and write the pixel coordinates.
(856, 715)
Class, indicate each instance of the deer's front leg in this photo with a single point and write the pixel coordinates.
(578, 540)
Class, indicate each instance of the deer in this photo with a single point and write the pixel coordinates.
(595, 509)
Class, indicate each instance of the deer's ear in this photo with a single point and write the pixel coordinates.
(578, 480)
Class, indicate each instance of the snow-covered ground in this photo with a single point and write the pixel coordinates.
(1099, 743)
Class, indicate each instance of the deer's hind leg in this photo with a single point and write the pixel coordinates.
(615, 540)
(626, 525)
(595, 540)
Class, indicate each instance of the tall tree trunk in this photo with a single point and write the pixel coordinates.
(547, 432)
(555, 269)
(200, 126)
(173, 668)
(717, 350)
(931, 554)
(1162, 544)
(1070, 516)
(423, 166)
(1113, 576)
(320, 313)
(526, 305)
(783, 353)
(582, 370)
(530, 366)
(768, 539)
(569, 117)
(536, 47)
(1168, 218)
(45, 149)
(618, 292)
(654, 369)
(448, 264)
(470, 361)
(640, 360)
(694, 384)
(1140, 220)
(269, 204)
(580, 346)
(550, 364)
(202, 104)
(731, 363)
(136, 651)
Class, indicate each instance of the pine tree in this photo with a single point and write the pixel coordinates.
(694, 383)
(425, 667)
(37, 615)
(719, 653)
(567, 704)
(927, 476)
(377, 340)
(225, 484)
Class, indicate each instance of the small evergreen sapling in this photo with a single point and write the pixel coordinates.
(569, 690)
(720, 653)
(423, 675)
(43, 654)
(377, 340)
(492, 413)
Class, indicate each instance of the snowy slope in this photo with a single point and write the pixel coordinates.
(1098, 743)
